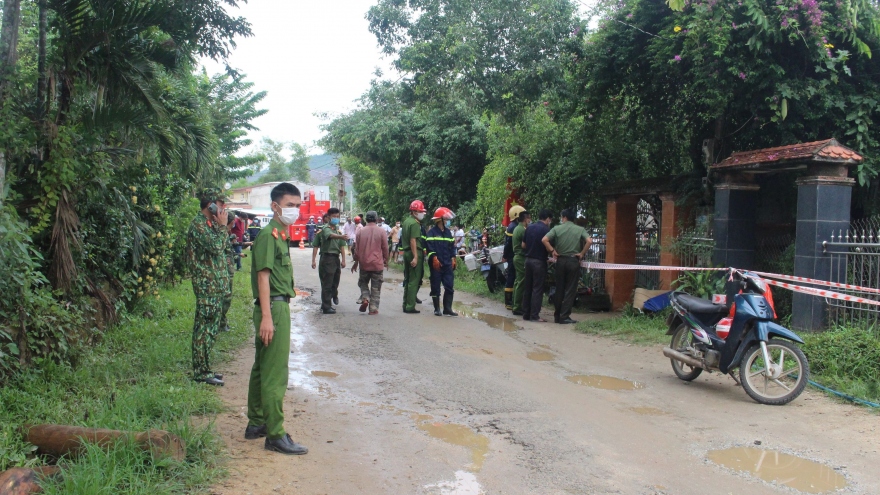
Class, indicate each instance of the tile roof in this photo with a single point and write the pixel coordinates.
(827, 151)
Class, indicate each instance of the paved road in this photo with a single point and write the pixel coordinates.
(426, 405)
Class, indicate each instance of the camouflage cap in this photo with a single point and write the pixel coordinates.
(211, 194)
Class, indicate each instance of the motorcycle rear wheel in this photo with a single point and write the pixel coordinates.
(792, 374)
(681, 340)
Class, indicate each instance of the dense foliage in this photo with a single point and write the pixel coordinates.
(107, 129)
(536, 97)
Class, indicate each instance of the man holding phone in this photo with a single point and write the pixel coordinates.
(206, 245)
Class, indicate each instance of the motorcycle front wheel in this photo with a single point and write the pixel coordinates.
(788, 375)
(681, 340)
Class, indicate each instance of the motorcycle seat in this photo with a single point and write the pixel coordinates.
(699, 305)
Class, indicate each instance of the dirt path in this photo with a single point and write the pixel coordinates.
(428, 405)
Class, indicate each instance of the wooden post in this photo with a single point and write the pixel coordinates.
(60, 440)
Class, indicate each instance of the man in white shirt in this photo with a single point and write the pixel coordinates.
(349, 229)
(459, 239)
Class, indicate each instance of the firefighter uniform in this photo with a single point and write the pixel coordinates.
(268, 380)
(441, 246)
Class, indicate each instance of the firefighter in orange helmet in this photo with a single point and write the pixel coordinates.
(413, 259)
(441, 260)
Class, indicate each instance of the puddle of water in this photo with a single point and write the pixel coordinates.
(544, 346)
(540, 356)
(465, 484)
(325, 374)
(648, 411)
(463, 436)
(421, 417)
(605, 382)
(769, 465)
(505, 323)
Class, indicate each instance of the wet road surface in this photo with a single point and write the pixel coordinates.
(483, 403)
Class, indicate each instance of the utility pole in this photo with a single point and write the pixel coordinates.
(341, 191)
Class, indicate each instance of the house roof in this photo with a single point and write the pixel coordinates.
(828, 151)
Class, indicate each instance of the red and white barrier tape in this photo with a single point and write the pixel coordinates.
(768, 277)
(619, 266)
(822, 293)
(792, 278)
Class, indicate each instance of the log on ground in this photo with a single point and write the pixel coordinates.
(60, 440)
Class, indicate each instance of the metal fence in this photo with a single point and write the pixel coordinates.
(855, 260)
(595, 279)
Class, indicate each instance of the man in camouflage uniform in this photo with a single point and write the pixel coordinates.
(206, 254)
(233, 258)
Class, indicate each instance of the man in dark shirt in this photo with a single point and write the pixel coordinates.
(536, 266)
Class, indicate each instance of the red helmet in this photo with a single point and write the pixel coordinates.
(444, 213)
(417, 206)
(357, 219)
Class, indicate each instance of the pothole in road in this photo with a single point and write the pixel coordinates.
(605, 382)
(540, 356)
(460, 435)
(505, 323)
(325, 374)
(777, 467)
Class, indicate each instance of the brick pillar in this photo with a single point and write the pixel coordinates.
(621, 248)
(736, 208)
(673, 217)
(823, 208)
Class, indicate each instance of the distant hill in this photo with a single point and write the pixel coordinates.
(321, 168)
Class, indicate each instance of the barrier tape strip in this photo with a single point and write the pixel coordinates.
(792, 278)
(768, 278)
(619, 266)
(822, 293)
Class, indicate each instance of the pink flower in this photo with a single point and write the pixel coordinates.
(677, 58)
(742, 76)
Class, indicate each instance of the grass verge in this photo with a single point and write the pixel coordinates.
(136, 378)
(845, 359)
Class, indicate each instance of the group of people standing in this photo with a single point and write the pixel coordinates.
(372, 243)
(528, 247)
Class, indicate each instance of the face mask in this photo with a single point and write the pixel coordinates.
(448, 223)
(334, 221)
(420, 216)
(289, 215)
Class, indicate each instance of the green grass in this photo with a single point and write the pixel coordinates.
(629, 327)
(136, 378)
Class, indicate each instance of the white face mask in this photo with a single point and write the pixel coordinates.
(420, 216)
(289, 215)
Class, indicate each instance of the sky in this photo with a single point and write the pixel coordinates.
(311, 56)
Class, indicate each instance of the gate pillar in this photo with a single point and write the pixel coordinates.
(823, 207)
(736, 207)
(620, 247)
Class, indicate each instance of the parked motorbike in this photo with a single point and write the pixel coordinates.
(493, 273)
(772, 368)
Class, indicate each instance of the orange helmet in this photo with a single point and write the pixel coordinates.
(417, 206)
(444, 213)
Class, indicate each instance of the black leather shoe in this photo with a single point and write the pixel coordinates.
(286, 445)
(518, 313)
(418, 301)
(211, 380)
(411, 311)
(567, 321)
(255, 432)
(329, 311)
(336, 301)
